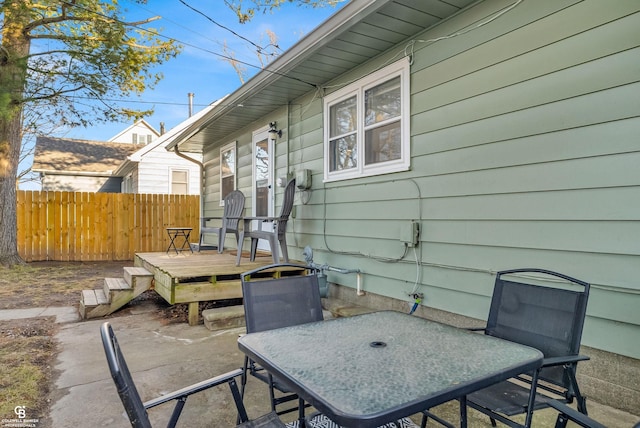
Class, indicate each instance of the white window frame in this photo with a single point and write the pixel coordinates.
(398, 69)
(127, 183)
(226, 148)
(171, 171)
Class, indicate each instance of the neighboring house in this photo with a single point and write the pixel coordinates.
(119, 165)
(153, 169)
(79, 165)
(138, 133)
(506, 129)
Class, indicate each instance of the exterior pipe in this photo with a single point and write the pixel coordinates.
(359, 291)
(201, 183)
(308, 257)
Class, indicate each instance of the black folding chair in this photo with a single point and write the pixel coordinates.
(546, 312)
(275, 298)
(137, 410)
(567, 413)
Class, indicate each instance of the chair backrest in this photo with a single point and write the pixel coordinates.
(547, 317)
(282, 301)
(122, 377)
(287, 206)
(233, 207)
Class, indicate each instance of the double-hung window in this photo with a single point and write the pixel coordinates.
(367, 125)
(227, 170)
(179, 182)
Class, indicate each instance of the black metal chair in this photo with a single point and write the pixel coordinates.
(567, 413)
(230, 220)
(546, 312)
(277, 232)
(275, 298)
(137, 410)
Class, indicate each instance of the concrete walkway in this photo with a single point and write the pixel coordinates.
(163, 357)
(63, 314)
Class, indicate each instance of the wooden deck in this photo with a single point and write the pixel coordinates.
(198, 277)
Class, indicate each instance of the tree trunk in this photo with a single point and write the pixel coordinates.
(13, 60)
(10, 151)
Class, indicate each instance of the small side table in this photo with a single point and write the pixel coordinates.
(179, 232)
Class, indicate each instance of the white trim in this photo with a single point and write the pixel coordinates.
(137, 122)
(226, 148)
(262, 134)
(398, 69)
(171, 170)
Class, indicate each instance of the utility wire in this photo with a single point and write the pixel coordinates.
(260, 49)
(177, 104)
(226, 57)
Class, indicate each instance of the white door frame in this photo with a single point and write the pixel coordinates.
(263, 176)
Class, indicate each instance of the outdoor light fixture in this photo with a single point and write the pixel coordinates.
(274, 133)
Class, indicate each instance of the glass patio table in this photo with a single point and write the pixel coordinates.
(371, 369)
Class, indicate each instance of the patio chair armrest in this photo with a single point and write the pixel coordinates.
(259, 218)
(192, 389)
(211, 218)
(573, 415)
(557, 361)
(263, 218)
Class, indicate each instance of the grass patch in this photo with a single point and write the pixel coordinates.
(26, 351)
(27, 346)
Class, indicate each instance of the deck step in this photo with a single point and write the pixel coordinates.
(115, 284)
(138, 277)
(93, 304)
(115, 293)
(224, 317)
(341, 308)
(94, 297)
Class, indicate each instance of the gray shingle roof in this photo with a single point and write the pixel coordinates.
(69, 155)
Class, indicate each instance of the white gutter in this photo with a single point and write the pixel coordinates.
(176, 150)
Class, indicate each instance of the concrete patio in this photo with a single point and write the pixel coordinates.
(163, 357)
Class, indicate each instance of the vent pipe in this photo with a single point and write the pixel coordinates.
(190, 95)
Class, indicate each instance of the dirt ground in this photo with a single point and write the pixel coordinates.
(27, 346)
(41, 284)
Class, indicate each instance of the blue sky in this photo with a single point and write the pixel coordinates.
(200, 72)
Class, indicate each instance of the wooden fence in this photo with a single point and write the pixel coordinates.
(81, 226)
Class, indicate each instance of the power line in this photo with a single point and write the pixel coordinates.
(113, 100)
(226, 57)
(260, 49)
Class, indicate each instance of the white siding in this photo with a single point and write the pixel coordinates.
(154, 172)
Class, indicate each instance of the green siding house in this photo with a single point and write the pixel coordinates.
(507, 130)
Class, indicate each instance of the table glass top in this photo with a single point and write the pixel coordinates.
(365, 364)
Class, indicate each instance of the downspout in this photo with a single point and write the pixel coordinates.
(288, 140)
(201, 165)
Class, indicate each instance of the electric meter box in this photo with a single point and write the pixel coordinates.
(303, 179)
